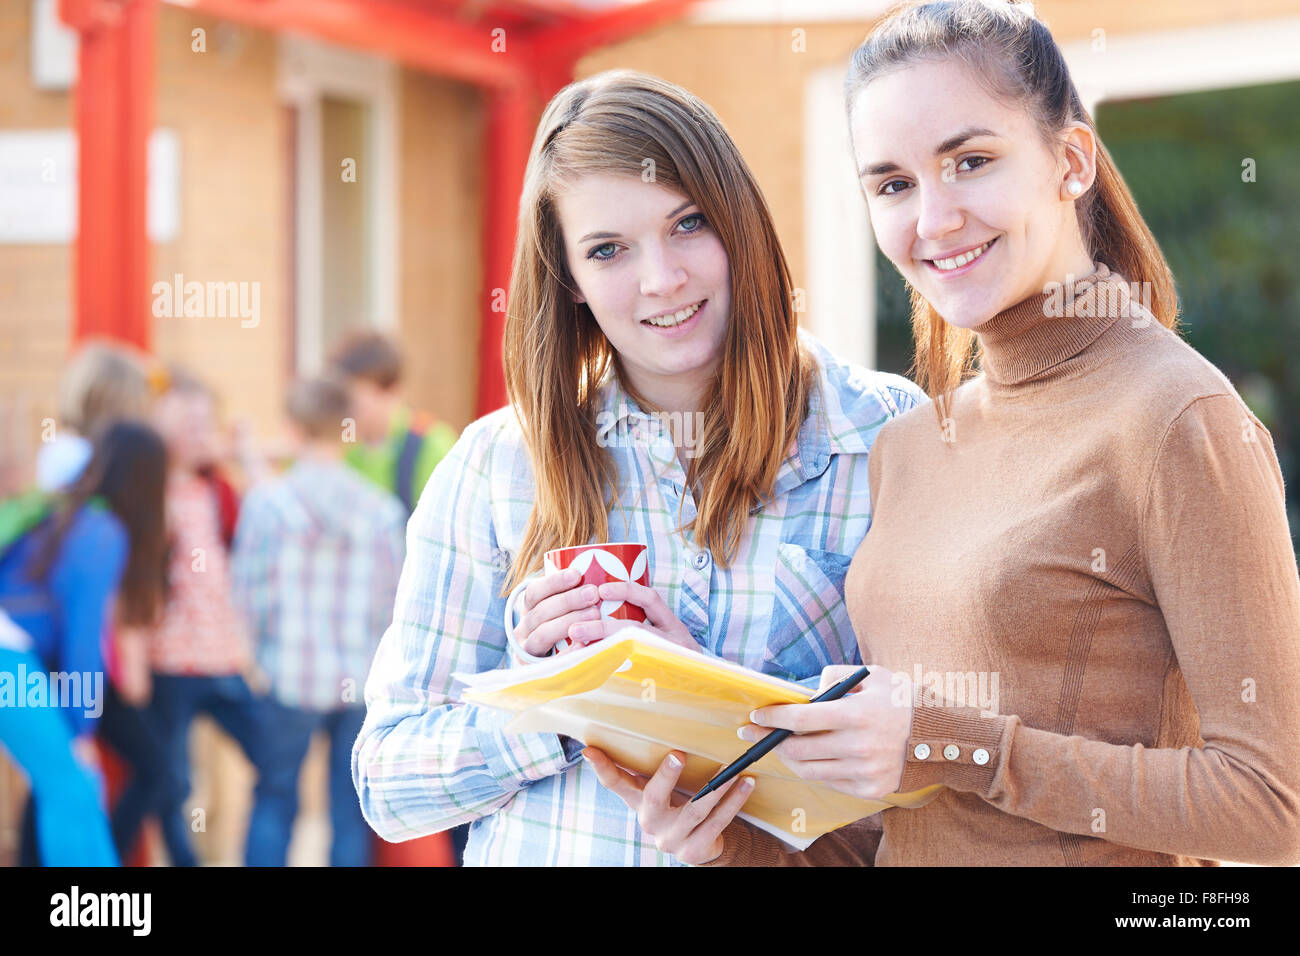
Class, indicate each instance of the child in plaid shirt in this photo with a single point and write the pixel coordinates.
(316, 560)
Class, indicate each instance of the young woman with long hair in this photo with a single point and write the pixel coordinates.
(1079, 597)
(97, 553)
(661, 393)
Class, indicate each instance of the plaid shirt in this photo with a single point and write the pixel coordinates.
(425, 761)
(315, 565)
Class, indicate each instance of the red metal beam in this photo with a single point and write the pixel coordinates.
(410, 35)
(565, 44)
(547, 11)
(113, 110)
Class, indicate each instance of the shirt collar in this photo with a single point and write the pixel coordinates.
(614, 407)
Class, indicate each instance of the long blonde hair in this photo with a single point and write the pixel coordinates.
(556, 357)
(105, 381)
(1012, 51)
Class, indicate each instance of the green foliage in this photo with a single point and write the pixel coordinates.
(1230, 243)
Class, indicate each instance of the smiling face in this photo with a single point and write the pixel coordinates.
(966, 198)
(656, 278)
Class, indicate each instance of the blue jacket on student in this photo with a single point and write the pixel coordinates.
(65, 612)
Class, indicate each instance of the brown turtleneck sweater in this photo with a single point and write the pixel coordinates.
(1095, 551)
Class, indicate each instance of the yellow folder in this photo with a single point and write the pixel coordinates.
(636, 696)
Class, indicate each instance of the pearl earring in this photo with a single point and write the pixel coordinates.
(1075, 187)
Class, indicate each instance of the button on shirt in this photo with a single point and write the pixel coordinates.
(425, 761)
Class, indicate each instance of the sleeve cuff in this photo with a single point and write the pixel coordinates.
(958, 747)
(516, 760)
(572, 748)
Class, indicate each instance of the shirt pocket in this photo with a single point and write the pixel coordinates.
(810, 622)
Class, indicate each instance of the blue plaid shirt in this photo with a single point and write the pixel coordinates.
(314, 568)
(425, 761)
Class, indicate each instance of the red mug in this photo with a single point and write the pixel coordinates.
(602, 564)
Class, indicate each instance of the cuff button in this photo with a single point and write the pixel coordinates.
(922, 751)
(980, 756)
(951, 752)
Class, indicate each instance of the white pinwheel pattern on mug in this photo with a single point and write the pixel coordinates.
(614, 568)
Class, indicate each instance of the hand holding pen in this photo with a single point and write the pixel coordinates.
(692, 831)
(770, 742)
(857, 744)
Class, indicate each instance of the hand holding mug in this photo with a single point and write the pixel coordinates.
(589, 592)
(552, 604)
(658, 618)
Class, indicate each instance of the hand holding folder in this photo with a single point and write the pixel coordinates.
(636, 697)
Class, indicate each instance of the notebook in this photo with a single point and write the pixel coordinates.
(637, 696)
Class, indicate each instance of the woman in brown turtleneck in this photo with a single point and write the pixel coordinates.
(1078, 596)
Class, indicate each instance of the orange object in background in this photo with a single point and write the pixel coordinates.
(432, 850)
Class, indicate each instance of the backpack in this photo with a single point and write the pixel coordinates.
(25, 512)
(407, 457)
(21, 514)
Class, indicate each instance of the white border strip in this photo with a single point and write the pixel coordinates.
(839, 249)
(1223, 56)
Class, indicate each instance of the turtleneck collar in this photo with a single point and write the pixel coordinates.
(1046, 329)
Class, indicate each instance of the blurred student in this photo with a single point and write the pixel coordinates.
(127, 725)
(104, 382)
(397, 447)
(58, 581)
(317, 555)
(199, 652)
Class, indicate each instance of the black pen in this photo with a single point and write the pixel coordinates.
(764, 746)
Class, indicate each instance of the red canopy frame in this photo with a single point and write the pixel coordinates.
(114, 114)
